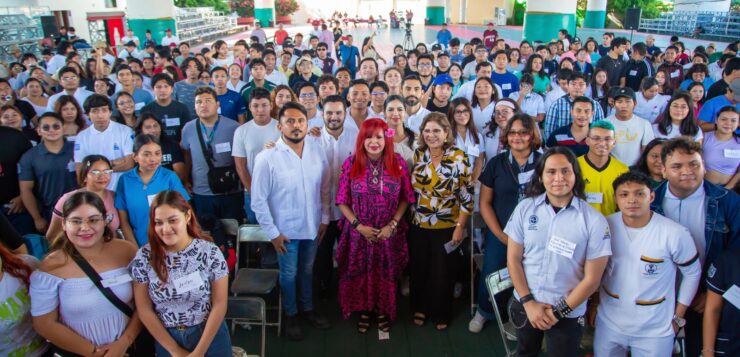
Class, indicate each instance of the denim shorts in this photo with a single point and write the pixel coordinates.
(188, 338)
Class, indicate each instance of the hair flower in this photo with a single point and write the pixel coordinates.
(389, 133)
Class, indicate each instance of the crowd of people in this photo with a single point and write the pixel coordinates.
(600, 171)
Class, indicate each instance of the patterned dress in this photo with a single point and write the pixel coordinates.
(368, 271)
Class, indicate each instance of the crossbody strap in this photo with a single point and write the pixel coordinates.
(206, 152)
(107, 292)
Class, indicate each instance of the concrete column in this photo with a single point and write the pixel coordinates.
(264, 12)
(156, 16)
(544, 18)
(595, 14)
(436, 12)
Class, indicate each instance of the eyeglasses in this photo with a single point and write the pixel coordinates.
(71, 78)
(425, 65)
(463, 111)
(522, 133)
(77, 223)
(125, 102)
(307, 95)
(101, 172)
(47, 127)
(378, 94)
(599, 139)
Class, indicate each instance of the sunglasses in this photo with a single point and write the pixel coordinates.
(50, 127)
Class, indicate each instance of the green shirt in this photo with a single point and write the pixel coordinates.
(246, 93)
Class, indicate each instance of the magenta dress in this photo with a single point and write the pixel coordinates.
(368, 272)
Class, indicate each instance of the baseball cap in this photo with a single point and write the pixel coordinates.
(443, 79)
(130, 43)
(287, 43)
(436, 47)
(443, 53)
(629, 93)
(576, 40)
(735, 88)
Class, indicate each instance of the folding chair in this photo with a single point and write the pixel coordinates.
(248, 309)
(476, 259)
(497, 282)
(681, 340)
(251, 281)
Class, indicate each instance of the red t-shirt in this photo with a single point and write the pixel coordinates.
(489, 38)
(280, 36)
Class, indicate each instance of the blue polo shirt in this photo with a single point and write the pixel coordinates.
(710, 109)
(52, 174)
(134, 197)
(231, 105)
(507, 81)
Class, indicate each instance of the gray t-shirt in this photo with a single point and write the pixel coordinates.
(185, 94)
(220, 146)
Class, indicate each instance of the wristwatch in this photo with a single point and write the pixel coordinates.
(355, 223)
(526, 298)
(680, 321)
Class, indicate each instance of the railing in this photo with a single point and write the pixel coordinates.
(20, 28)
(198, 24)
(721, 26)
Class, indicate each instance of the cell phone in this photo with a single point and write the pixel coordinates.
(7, 98)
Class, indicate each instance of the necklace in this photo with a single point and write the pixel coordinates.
(376, 169)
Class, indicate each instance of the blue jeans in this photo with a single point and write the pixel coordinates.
(221, 206)
(494, 259)
(251, 217)
(189, 337)
(296, 273)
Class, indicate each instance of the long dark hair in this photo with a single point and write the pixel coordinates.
(77, 199)
(66, 99)
(494, 92)
(594, 86)
(410, 135)
(528, 67)
(491, 125)
(642, 163)
(688, 126)
(158, 256)
(14, 265)
(471, 123)
(536, 186)
(144, 117)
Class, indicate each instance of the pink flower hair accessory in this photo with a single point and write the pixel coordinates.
(389, 133)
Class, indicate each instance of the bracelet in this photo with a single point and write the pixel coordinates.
(355, 223)
(526, 298)
(561, 310)
(393, 223)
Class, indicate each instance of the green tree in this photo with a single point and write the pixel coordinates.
(219, 5)
(650, 8)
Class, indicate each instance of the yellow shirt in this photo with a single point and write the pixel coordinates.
(599, 190)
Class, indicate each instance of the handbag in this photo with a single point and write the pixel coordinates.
(220, 179)
(143, 345)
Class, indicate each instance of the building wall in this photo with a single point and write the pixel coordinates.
(702, 5)
(478, 11)
(79, 9)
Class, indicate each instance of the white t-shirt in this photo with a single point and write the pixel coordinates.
(114, 142)
(674, 132)
(166, 41)
(414, 121)
(631, 135)
(317, 121)
(650, 109)
(18, 337)
(250, 138)
(482, 116)
(277, 78)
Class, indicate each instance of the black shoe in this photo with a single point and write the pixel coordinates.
(293, 328)
(316, 320)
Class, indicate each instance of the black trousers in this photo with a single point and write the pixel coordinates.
(563, 338)
(693, 332)
(432, 272)
(323, 265)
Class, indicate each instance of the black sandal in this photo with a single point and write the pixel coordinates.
(419, 319)
(384, 324)
(364, 324)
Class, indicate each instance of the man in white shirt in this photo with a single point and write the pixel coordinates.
(638, 309)
(290, 198)
(69, 79)
(60, 58)
(308, 96)
(105, 137)
(129, 50)
(358, 97)
(169, 40)
(130, 37)
(338, 142)
(470, 72)
(271, 73)
(415, 112)
(567, 248)
(631, 132)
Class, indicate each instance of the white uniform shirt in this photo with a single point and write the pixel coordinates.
(373, 114)
(491, 143)
(166, 41)
(317, 121)
(277, 78)
(650, 109)
(532, 104)
(414, 121)
(467, 90)
(638, 291)
(557, 245)
(290, 194)
(690, 213)
(337, 151)
(80, 94)
(482, 116)
(631, 135)
(115, 142)
(250, 138)
(468, 145)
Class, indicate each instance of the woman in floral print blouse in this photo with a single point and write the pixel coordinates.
(441, 178)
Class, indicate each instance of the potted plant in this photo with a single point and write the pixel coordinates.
(245, 10)
(283, 10)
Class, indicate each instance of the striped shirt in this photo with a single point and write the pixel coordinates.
(559, 114)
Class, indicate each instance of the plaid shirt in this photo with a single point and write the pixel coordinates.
(559, 114)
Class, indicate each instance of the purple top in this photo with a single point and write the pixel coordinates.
(721, 156)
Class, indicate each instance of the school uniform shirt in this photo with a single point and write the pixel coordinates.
(337, 151)
(631, 135)
(599, 189)
(491, 143)
(723, 277)
(317, 120)
(231, 105)
(564, 137)
(115, 142)
(508, 82)
(53, 174)
(468, 145)
(689, 212)
(508, 180)
(467, 90)
(533, 104)
(250, 138)
(135, 197)
(413, 121)
(557, 245)
(674, 131)
(650, 109)
(80, 94)
(172, 117)
(290, 194)
(639, 284)
(482, 116)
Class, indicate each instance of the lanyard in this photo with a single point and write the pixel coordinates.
(208, 137)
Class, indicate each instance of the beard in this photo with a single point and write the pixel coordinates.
(411, 100)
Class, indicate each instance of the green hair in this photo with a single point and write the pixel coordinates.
(602, 124)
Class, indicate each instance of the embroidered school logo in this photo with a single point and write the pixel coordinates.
(116, 147)
(651, 269)
(712, 270)
(533, 222)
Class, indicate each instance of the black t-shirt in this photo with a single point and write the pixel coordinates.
(9, 237)
(633, 72)
(434, 108)
(717, 89)
(171, 153)
(26, 109)
(723, 275)
(173, 117)
(466, 60)
(503, 178)
(14, 145)
(613, 68)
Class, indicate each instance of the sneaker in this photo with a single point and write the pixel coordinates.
(317, 321)
(293, 328)
(458, 290)
(476, 324)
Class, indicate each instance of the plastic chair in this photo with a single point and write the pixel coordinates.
(497, 282)
(476, 259)
(248, 309)
(252, 281)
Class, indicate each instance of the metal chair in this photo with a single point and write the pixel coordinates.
(252, 281)
(248, 309)
(476, 259)
(497, 282)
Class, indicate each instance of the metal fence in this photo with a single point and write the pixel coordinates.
(198, 24)
(721, 26)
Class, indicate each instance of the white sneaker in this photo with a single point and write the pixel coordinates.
(458, 290)
(476, 324)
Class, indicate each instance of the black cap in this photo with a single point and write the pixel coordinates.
(130, 43)
(436, 47)
(624, 92)
(443, 53)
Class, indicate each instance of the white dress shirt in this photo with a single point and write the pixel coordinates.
(80, 94)
(337, 151)
(290, 194)
(413, 121)
(690, 213)
(467, 90)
